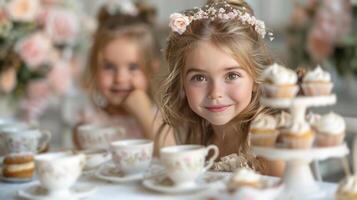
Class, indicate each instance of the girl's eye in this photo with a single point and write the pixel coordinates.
(108, 66)
(134, 66)
(232, 76)
(198, 78)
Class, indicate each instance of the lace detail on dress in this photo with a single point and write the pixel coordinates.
(231, 163)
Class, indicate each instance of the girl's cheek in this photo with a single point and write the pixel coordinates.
(140, 82)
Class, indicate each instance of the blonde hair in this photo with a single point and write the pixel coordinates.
(134, 28)
(237, 39)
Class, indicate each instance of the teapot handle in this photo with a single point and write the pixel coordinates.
(44, 140)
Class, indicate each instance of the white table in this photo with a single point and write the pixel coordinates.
(131, 191)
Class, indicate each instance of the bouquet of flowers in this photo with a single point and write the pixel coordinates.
(37, 41)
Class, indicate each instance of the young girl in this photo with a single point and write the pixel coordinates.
(216, 55)
(122, 61)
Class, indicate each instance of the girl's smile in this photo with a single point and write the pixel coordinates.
(218, 108)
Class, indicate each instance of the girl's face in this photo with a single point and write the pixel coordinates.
(216, 86)
(120, 71)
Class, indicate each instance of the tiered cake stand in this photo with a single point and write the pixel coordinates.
(298, 179)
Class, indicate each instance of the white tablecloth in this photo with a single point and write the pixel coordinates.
(132, 191)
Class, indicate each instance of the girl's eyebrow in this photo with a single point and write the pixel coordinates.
(200, 70)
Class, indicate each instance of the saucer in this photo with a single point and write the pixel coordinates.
(36, 191)
(165, 185)
(109, 172)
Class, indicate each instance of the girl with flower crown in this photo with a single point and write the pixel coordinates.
(216, 55)
(122, 62)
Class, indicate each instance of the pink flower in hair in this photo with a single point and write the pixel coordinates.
(179, 22)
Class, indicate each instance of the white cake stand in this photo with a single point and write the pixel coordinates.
(298, 179)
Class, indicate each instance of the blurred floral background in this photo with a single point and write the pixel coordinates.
(43, 50)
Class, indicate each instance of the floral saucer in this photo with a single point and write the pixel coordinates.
(108, 172)
(36, 191)
(165, 185)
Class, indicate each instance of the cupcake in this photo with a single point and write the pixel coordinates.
(347, 189)
(244, 177)
(330, 130)
(284, 120)
(279, 82)
(317, 83)
(313, 119)
(263, 131)
(298, 136)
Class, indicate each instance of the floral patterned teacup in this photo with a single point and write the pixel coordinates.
(132, 156)
(184, 163)
(21, 139)
(97, 136)
(57, 172)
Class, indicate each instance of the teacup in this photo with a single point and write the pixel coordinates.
(95, 158)
(132, 156)
(184, 163)
(96, 136)
(22, 138)
(8, 123)
(57, 172)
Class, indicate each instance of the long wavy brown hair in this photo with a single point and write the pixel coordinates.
(134, 28)
(239, 40)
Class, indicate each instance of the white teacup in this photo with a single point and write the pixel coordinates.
(95, 158)
(184, 163)
(96, 136)
(57, 172)
(132, 156)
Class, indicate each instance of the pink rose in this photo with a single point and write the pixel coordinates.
(34, 50)
(60, 77)
(61, 25)
(179, 22)
(23, 10)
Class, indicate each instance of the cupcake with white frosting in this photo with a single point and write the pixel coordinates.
(263, 131)
(317, 83)
(330, 130)
(298, 136)
(313, 119)
(347, 189)
(279, 82)
(244, 177)
(283, 119)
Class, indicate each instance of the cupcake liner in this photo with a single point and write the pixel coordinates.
(317, 89)
(264, 140)
(295, 142)
(280, 91)
(327, 140)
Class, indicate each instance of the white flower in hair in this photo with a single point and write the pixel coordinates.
(179, 22)
(123, 6)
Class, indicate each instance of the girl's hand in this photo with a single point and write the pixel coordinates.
(138, 103)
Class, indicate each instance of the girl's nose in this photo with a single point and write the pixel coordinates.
(121, 76)
(216, 91)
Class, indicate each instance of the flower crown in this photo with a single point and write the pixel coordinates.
(179, 22)
(121, 6)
